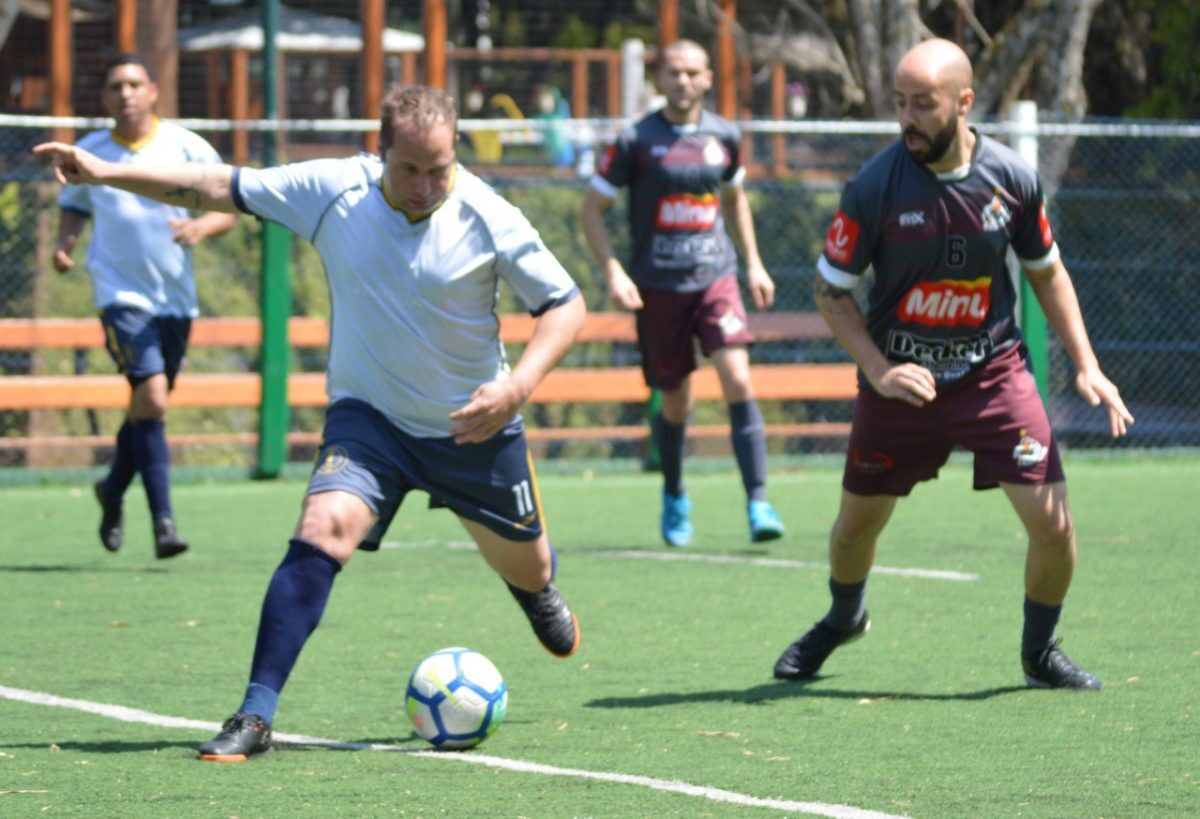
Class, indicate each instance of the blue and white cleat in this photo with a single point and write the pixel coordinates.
(676, 519)
(764, 521)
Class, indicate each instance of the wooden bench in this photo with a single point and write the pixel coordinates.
(565, 385)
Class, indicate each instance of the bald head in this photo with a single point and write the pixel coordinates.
(940, 63)
(690, 48)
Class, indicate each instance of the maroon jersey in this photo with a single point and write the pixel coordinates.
(674, 174)
(942, 296)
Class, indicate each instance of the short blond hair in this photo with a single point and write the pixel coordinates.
(414, 106)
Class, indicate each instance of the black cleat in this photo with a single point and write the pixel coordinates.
(1052, 668)
(552, 619)
(803, 658)
(167, 542)
(112, 535)
(242, 736)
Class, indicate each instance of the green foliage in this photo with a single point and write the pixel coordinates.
(512, 31)
(616, 32)
(1177, 94)
(575, 34)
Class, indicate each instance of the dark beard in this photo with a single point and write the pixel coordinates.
(938, 146)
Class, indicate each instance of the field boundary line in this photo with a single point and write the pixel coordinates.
(770, 562)
(774, 563)
(136, 715)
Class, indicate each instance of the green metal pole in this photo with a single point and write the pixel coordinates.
(652, 462)
(1024, 115)
(1037, 337)
(276, 303)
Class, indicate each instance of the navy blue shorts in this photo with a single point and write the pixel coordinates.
(491, 483)
(143, 344)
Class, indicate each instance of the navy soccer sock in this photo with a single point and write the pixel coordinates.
(749, 447)
(124, 465)
(1038, 631)
(670, 439)
(291, 610)
(849, 603)
(153, 461)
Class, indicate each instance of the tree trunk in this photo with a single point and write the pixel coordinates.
(868, 48)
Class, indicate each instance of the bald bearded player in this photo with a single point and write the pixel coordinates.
(940, 357)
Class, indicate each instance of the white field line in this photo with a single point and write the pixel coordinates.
(126, 714)
(770, 562)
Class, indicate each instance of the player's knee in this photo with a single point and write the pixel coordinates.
(851, 534)
(1054, 534)
(739, 390)
(150, 411)
(676, 406)
(332, 530)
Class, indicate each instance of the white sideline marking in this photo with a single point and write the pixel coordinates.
(125, 714)
(771, 562)
(774, 562)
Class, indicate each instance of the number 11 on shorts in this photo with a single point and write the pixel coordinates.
(523, 497)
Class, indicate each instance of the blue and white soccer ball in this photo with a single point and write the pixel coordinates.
(456, 698)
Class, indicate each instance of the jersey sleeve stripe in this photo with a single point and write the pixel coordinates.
(76, 210)
(737, 179)
(1049, 259)
(235, 190)
(835, 276)
(602, 185)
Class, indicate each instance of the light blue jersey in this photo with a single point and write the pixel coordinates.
(414, 330)
(132, 258)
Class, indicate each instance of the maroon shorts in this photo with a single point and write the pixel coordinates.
(996, 413)
(668, 321)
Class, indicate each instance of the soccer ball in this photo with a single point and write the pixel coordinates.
(455, 698)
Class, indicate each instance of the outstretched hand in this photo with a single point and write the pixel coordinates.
(72, 164)
(492, 406)
(1096, 389)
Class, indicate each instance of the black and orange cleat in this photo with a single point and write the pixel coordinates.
(552, 619)
(241, 737)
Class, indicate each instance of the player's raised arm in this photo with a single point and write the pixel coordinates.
(196, 186)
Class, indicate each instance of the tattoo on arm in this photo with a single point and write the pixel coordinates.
(188, 197)
(835, 299)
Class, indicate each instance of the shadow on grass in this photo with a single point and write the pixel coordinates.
(112, 747)
(394, 744)
(81, 568)
(783, 690)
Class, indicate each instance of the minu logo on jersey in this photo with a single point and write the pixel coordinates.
(947, 303)
(686, 211)
(841, 239)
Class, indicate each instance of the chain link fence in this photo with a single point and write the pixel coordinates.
(1122, 198)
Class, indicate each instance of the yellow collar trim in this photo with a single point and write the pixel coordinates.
(139, 144)
(387, 197)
